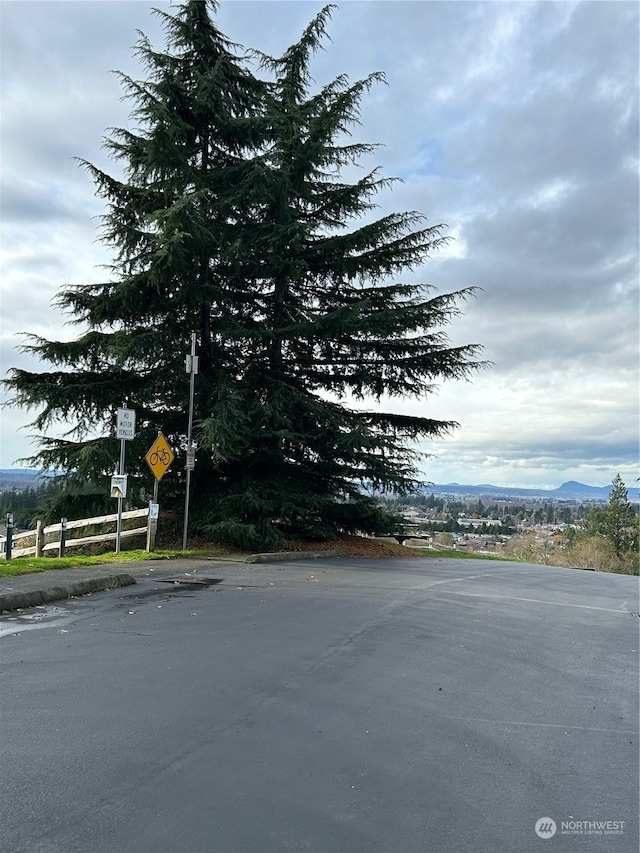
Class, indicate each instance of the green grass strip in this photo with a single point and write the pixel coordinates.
(28, 565)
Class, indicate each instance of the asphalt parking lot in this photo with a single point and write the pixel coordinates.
(345, 705)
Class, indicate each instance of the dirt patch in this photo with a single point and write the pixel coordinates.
(350, 546)
(354, 546)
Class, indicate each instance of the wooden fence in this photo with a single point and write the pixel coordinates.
(54, 537)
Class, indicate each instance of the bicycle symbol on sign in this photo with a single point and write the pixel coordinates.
(159, 457)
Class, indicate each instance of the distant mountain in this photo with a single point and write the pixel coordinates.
(567, 491)
(20, 478)
(26, 478)
(574, 488)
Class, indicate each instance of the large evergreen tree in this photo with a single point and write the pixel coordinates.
(233, 221)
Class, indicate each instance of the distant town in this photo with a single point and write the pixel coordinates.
(563, 526)
(486, 523)
(535, 526)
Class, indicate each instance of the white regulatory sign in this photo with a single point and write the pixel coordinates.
(126, 424)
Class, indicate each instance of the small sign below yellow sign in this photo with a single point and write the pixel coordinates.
(119, 486)
(159, 457)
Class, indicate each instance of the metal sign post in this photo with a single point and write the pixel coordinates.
(125, 431)
(121, 472)
(192, 369)
(152, 524)
(159, 457)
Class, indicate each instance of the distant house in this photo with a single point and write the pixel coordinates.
(474, 523)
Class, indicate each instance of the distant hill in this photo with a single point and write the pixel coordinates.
(26, 478)
(20, 478)
(567, 491)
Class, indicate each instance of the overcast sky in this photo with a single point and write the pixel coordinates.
(516, 123)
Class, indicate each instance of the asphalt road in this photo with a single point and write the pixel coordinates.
(336, 706)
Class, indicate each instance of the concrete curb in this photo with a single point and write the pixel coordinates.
(15, 600)
(30, 590)
(278, 556)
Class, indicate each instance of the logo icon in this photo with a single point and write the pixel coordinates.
(546, 827)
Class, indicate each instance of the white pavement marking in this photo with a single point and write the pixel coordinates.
(541, 601)
(430, 584)
(543, 725)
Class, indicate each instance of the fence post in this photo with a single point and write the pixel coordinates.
(9, 535)
(63, 536)
(39, 537)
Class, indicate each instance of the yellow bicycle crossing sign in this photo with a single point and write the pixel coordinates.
(159, 457)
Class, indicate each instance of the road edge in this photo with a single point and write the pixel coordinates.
(15, 600)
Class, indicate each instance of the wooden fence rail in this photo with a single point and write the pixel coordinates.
(61, 542)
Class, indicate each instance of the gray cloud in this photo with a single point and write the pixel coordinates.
(24, 202)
